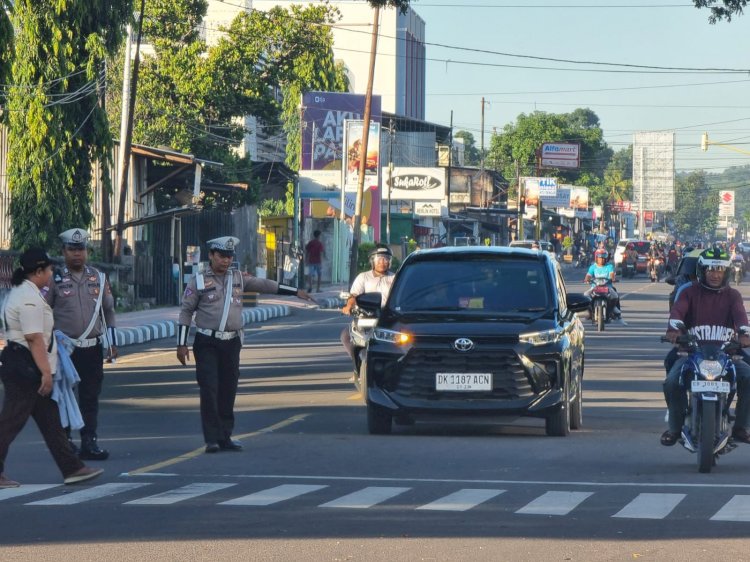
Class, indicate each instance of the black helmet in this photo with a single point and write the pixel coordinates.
(709, 259)
(380, 250)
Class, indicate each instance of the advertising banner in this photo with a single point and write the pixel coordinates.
(579, 198)
(352, 143)
(427, 208)
(415, 183)
(561, 155)
(726, 204)
(323, 117)
(320, 184)
(534, 188)
(653, 170)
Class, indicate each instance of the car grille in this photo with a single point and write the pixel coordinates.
(417, 374)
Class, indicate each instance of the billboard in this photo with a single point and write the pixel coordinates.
(534, 188)
(323, 117)
(561, 155)
(423, 184)
(726, 204)
(653, 170)
(352, 142)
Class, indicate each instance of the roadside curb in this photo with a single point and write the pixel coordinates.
(167, 328)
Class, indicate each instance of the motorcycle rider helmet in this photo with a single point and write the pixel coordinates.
(630, 246)
(601, 254)
(380, 250)
(710, 259)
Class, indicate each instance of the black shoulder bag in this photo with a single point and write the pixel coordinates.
(16, 360)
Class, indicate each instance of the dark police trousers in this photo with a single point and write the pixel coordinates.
(23, 401)
(89, 362)
(217, 369)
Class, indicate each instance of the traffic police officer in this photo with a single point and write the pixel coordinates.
(215, 297)
(84, 310)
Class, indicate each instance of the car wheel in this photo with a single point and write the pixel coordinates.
(557, 424)
(379, 421)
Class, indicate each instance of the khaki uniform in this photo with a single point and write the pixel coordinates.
(217, 354)
(73, 297)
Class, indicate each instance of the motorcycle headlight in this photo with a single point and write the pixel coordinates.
(540, 338)
(391, 336)
(710, 369)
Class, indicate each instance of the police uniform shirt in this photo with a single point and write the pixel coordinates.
(208, 303)
(73, 299)
(26, 312)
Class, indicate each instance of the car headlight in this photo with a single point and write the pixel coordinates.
(540, 338)
(391, 336)
(710, 369)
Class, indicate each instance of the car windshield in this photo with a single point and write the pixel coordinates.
(477, 285)
(641, 247)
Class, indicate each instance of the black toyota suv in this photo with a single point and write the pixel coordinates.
(475, 331)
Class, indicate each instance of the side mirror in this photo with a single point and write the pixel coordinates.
(670, 280)
(678, 325)
(578, 302)
(370, 302)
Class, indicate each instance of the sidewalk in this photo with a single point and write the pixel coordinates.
(145, 325)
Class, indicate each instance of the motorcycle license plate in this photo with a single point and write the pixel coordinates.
(463, 382)
(709, 386)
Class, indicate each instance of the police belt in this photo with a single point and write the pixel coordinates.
(217, 334)
(90, 342)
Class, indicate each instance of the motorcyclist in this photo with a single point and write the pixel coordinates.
(654, 253)
(713, 312)
(378, 279)
(738, 257)
(631, 256)
(601, 269)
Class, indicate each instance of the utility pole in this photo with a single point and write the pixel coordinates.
(363, 150)
(391, 134)
(126, 140)
(448, 185)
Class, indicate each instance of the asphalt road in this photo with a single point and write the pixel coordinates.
(311, 483)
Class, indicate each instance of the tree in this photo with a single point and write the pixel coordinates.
(519, 142)
(618, 176)
(56, 125)
(696, 205)
(6, 42)
(471, 152)
(191, 95)
(729, 8)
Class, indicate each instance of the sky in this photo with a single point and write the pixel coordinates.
(655, 33)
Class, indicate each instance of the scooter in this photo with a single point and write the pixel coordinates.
(710, 380)
(738, 270)
(628, 269)
(654, 268)
(360, 330)
(600, 302)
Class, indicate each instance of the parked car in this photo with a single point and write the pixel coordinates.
(475, 332)
(529, 244)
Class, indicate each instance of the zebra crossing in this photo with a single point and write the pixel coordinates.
(521, 501)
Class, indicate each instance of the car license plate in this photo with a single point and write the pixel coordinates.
(463, 382)
(709, 386)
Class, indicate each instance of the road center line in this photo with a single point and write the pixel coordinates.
(192, 454)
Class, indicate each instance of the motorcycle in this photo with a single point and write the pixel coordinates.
(360, 330)
(655, 267)
(600, 302)
(628, 269)
(710, 380)
(738, 271)
(582, 259)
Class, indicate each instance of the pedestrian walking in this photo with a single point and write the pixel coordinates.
(84, 310)
(314, 252)
(215, 298)
(29, 363)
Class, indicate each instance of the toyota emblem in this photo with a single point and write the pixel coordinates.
(463, 344)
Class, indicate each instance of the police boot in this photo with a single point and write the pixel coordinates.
(71, 442)
(90, 449)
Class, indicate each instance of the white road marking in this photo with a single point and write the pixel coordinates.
(366, 497)
(554, 503)
(650, 506)
(95, 493)
(462, 500)
(274, 495)
(736, 509)
(180, 494)
(24, 489)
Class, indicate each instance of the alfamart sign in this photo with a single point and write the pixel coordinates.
(423, 184)
(561, 155)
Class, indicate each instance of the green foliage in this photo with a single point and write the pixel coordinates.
(720, 12)
(471, 152)
(696, 205)
(519, 142)
(363, 256)
(402, 5)
(56, 125)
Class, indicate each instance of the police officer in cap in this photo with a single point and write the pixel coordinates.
(215, 298)
(84, 310)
